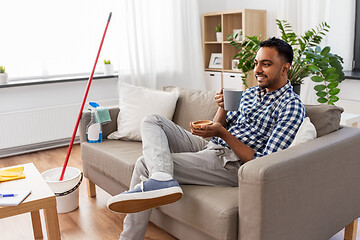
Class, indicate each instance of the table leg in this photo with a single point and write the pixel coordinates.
(350, 230)
(36, 224)
(52, 223)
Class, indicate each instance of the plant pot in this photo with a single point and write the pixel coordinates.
(296, 88)
(108, 69)
(3, 78)
(219, 36)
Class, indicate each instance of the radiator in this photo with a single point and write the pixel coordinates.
(35, 129)
(349, 106)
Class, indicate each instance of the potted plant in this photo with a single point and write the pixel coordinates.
(108, 67)
(324, 67)
(3, 75)
(219, 36)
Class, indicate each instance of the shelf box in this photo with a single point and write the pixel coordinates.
(232, 80)
(213, 80)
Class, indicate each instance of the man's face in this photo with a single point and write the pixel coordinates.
(270, 69)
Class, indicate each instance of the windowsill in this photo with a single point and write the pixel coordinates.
(354, 74)
(19, 83)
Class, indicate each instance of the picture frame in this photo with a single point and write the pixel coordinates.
(234, 65)
(216, 60)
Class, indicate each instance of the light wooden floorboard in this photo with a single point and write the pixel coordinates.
(91, 221)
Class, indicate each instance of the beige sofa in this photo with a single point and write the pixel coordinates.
(309, 191)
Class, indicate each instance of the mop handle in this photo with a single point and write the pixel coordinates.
(83, 103)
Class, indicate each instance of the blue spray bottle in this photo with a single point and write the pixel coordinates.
(93, 129)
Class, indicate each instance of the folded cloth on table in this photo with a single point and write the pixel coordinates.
(103, 115)
(11, 174)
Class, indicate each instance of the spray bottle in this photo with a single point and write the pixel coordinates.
(93, 129)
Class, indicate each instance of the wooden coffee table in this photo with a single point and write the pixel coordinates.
(41, 197)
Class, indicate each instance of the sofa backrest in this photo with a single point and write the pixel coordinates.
(326, 118)
(195, 105)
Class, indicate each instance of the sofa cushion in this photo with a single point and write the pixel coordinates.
(193, 105)
(326, 118)
(137, 102)
(305, 133)
(115, 159)
(210, 209)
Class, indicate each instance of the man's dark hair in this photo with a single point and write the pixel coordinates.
(283, 48)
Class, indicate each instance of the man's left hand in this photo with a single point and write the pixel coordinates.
(205, 131)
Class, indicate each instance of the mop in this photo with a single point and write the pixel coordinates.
(83, 102)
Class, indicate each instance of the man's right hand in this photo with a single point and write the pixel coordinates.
(219, 98)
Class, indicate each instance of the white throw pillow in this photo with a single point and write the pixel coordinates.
(305, 133)
(137, 102)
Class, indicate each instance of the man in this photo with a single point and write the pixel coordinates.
(267, 121)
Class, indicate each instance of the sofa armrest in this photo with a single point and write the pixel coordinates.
(309, 191)
(106, 128)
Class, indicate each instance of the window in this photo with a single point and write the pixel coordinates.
(356, 65)
(42, 38)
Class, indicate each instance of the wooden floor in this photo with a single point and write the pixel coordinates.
(92, 221)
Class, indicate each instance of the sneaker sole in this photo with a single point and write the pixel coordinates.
(144, 200)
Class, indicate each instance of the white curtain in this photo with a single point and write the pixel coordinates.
(307, 14)
(161, 43)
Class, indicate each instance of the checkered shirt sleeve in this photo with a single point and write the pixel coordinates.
(287, 125)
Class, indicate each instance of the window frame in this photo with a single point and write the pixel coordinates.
(356, 61)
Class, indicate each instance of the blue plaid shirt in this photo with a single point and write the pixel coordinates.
(266, 122)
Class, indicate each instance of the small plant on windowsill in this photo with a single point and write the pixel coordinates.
(108, 67)
(323, 66)
(3, 75)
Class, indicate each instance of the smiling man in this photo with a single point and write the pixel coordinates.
(267, 120)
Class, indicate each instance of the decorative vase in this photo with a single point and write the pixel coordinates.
(296, 88)
(3, 78)
(108, 69)
(219, 36)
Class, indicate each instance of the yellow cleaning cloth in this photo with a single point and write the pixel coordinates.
(11, 174)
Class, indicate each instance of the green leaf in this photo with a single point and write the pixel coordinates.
(333, 84)
(317, 79)
(313, 68)
(335, 63)
(317, 49)
(334, 98)
(322, 100)
(321, 94)
(334, 91)
(332, 77)
(330, 70)
(320, 87)
(325, 59)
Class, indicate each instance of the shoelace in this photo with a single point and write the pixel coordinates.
(143, 179)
